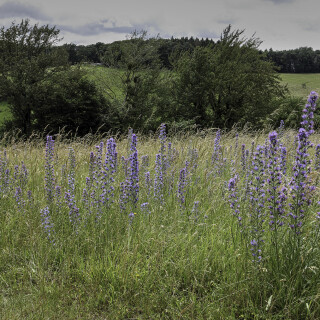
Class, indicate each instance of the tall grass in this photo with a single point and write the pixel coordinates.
(86, 236)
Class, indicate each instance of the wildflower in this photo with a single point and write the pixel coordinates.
(123, 196)
(49, 170)
(24, 175)
(299, 181)
(145, 208)
(193, 157)
(110, 168)
(300, 184)
(195, 210)
(162, 151)
(144, 162)
(131, 217)
(19, 199)
(130, 188)
(158, 180)
(276, 198)
(283, 159)
(47, 224)
(243, 158)
(257, 199)
(317, 158)
(281, 129)
(308, 113)
(74, 216)
(234, 199)
(148, 182)
(182, 188)
(133, 179)
(236, 144)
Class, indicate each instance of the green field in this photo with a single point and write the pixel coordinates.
(109, 80)
(301, 84)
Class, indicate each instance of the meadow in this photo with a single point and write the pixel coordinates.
(301, 84)
(211, 225)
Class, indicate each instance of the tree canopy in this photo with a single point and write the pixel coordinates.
(28, 56)
(40, 86)
(231, 83)
(181, 82)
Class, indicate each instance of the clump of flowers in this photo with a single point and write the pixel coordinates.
(300, 183)
(74, 216)
(110, 168)
(129, 189)
(276, 192)
(257, 199)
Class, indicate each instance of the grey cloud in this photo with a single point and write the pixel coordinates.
(209, 35)
(309, 26)
(17, 9)
(92, 29)
(281, 1)
(227, 21)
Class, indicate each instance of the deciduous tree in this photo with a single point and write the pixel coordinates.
(28, 56)
(231, 83)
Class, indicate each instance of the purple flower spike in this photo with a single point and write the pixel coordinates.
(276, 194)
(317, 158)
(130, 188)
(257, 195)
(300, 184)
(49, 170)
(234, 199)
(158, 180)
(308, 113)
(47, 224)
(182, 184)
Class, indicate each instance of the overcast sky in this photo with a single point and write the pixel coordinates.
(280, 24)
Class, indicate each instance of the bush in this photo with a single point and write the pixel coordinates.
(287, 109)
(69, 100)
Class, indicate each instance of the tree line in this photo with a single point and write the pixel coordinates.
(167, 49)
(300, 60)
(185, 83)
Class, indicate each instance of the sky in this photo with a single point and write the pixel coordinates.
(279, 24)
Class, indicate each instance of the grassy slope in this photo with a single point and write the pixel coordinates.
(107, 79)
(4, 113)
(302, 84)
